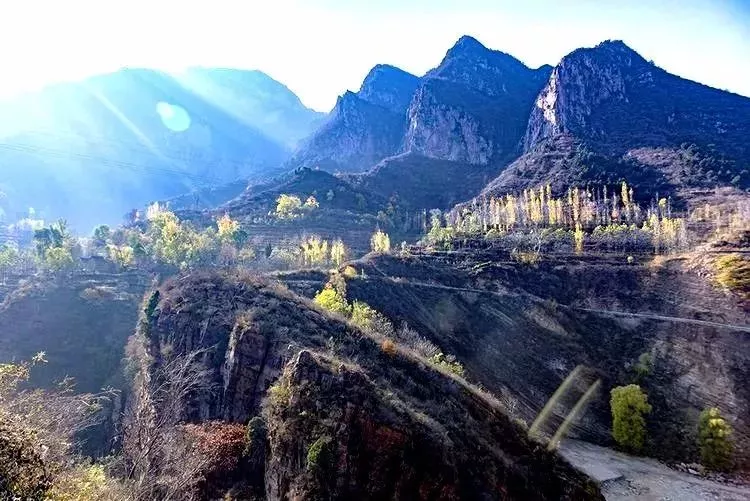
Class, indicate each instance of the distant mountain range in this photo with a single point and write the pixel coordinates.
(91, 150)
(480, 122)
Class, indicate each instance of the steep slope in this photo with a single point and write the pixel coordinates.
(606, 114)
(356, 135)
(474, 106)
(423, 182)
(81, 323)
(345, 419)
(520, 330)
(99, 147)
(364, 127)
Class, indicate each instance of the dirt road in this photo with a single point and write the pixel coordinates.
(626, 477)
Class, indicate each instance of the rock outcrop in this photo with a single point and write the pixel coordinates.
(343, 418)
(474, 106)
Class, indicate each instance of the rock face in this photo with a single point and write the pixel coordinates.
(611, 94)
(364, 127)
(100, 147)
(474, 106)
(343, 418)
(607, 115)
(472, 109)
(356, 135)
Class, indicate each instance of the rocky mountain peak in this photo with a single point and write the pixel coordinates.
(470, 63)
(388, 86)
(582, 81)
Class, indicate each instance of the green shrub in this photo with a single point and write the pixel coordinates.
(644, 366)
(714, 440)
(629, 405)
(363, 316)
(318, 455)
(448, 362)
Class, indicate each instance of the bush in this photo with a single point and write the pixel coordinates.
(350, 271)
(629, 405)
(388, 347)
(714, 440)
(318, 453)
(733, 272)
(448, 363)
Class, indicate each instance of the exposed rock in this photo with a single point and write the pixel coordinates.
(474, 106)
(346, 420)
(356, 135)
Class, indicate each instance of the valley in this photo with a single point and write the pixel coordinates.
(486, 282)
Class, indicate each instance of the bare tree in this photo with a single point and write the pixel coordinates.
(159, 456)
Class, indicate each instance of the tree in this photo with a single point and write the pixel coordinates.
(629, 406)
(714, 440)
(288, 206)
(123, 256)
(160, 457)
(227, 228)
(363, 316)
(311, 203)
(380, 242)
(315, 250)
(58, 259)
(101, 236)
(338, 252)
(330, 299)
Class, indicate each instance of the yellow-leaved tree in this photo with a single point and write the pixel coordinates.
(380, 242)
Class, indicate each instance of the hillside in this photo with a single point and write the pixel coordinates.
(372, 417)
(100, 147)
(520, 329)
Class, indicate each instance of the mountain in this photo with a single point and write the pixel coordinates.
(474, 106)
(606, 114)
(256, 99)
(363, 127)
(91, 150)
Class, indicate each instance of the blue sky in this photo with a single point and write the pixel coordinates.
(319, 48)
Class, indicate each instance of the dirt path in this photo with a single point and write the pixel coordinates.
(651, 316)
(627, 477)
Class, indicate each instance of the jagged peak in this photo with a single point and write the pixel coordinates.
(468, 48)
(607, 48)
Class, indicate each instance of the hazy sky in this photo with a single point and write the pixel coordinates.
(319, 48)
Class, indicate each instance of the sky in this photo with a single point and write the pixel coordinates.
(320, 48)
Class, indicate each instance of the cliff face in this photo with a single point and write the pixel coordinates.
(343, 419)
(611, 94)
(607, 115)
(474, 106)
(356, 135)
(364, 127)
